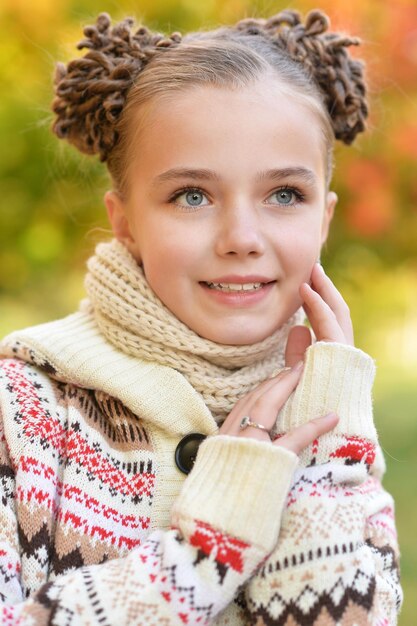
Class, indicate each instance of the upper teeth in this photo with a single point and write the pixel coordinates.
(235, 286)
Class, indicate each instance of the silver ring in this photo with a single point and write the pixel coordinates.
(246, 421)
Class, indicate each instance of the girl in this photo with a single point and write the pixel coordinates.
(190, 356)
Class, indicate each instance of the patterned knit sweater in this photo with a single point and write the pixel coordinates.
(99, 527)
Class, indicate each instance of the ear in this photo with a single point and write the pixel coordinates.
(331, 202)
(116, 211)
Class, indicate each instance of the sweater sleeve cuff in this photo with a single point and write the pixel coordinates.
(336, 378)
(238, 486)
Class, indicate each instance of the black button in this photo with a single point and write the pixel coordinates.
(186, 451)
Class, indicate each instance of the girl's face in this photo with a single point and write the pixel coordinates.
(228, 207)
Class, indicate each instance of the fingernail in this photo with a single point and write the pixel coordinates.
(330, 416)
(319, 265)
(283, 371)
(298, 366)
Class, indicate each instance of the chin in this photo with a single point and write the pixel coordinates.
(236, 336)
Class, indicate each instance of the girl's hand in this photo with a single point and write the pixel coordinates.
(327, 313)
(330, 320)
(263, 404)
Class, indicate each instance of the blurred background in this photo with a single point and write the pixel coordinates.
(52, 213)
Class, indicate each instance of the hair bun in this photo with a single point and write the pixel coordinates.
(90, 92)
(339, 77)
(325, 58)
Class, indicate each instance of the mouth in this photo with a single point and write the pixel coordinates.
(238, 289)
(238, 284)
(235, 287)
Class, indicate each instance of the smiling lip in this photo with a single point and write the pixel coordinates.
(241, 280)
(240, 298)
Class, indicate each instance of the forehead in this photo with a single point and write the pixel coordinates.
(266, 123)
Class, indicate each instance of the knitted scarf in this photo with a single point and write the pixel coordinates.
(134, 320)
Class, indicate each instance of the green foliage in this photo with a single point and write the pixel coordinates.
(52, 212)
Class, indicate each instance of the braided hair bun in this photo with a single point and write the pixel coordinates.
(325, 58)
(91, 91)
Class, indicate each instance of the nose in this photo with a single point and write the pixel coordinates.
(240, 233)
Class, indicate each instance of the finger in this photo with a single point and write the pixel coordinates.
(249, 400)
(265, 413)
(264, 409)
(322, 319)
(242, 406)
(299, 339)
(304, 435)
(260, 389)
(324, 286)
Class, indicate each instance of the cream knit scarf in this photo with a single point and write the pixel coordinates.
(134, 320)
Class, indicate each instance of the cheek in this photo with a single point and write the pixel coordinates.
(301, 249)
(168, 253)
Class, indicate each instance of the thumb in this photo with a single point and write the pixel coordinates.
(301, 437)
(299, 339)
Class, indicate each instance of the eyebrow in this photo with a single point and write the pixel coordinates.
(184, 172)
(304, 173)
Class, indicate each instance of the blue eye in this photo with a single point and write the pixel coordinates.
(285, 196)
(191, 198)
(195, 198)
